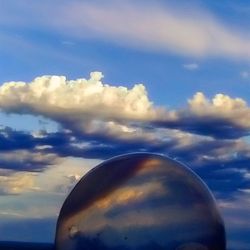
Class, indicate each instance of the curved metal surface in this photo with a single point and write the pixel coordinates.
(137, 202)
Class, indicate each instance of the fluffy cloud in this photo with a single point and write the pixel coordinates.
(55, 97)
(100, 121)
(233, 112)
(222, 104)
(93, 107)
(136, 24)
(220, 117)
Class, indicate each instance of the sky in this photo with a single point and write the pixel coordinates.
(83, 81)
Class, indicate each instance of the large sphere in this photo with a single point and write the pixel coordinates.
(137, 202)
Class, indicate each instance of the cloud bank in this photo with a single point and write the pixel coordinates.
(100, 120)
(89, 106)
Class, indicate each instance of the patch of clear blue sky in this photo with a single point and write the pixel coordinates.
(27, 123)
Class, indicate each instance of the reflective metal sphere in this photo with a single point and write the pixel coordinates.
(137, 202)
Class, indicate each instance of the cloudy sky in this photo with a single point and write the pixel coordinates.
(82, 81)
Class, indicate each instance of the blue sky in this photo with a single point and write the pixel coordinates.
(190, 65)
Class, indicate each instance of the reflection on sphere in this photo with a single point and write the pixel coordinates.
(140, 202)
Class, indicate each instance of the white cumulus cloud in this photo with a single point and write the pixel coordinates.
(56, 97)
(93, 107)
(222, 106)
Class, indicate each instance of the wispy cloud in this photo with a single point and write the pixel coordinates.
(16, 183)
(143, 26)
(191, 66)
(245, 74)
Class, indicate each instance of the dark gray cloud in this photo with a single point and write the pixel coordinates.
(221, 163)
(19, 151)
(217, 127)
(12, 140)
(26, 161)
